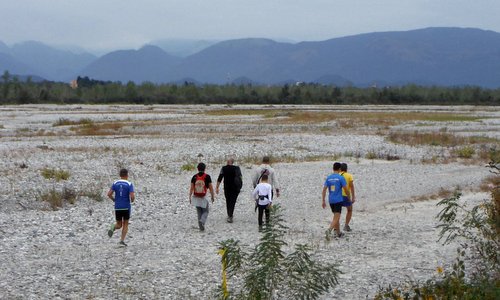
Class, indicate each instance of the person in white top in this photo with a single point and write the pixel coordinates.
(266, 169)
(263, 195)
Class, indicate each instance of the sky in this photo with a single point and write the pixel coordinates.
(129, 24)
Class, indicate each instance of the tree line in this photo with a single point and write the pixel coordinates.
(89, 91)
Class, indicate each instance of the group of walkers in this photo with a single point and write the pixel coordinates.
(340, 187)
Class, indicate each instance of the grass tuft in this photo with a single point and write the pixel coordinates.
(58, 175)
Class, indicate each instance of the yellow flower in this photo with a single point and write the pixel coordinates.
(440, 270)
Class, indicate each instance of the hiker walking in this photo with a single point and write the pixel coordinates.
(201, 183)
(122, 193)
(263, 194)
(347, 201)
(334, 183)
(233, 181)
(266, 169)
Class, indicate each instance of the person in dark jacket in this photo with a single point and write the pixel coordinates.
(231, 175)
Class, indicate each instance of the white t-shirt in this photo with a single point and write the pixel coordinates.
(263, 189)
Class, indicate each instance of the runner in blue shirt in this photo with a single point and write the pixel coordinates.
(124, 194)
(334, 183)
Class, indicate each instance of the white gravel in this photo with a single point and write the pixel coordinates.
(66, 254)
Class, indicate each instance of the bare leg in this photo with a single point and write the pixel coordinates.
(336, 222)
(118, 225)
(124, 229)
(348, 215)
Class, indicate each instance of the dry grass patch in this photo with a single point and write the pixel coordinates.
(441, 194)
(107, 128)
(436, 139)
(67, 122)
(58, 175)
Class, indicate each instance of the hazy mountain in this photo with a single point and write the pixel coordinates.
(441, 56)
(150, 63)
(183, 47)
(9, 63)
(51, 63)
(445, 56)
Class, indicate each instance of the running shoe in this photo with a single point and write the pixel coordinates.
(339, 235)
(122, 243)
(230, 219)
(347, 228)
(111, 230)
(202, 227)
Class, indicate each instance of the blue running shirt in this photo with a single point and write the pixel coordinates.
(334, 182)
(122, 189)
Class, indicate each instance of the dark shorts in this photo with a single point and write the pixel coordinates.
(346, 201)
(336, 207)
(122, 214)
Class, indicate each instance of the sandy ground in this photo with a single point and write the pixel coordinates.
(66, 254)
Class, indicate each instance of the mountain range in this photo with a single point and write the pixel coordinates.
(431, 56)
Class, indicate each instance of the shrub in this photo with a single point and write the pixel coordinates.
(188, 167)
(475, 274)
(268, 273)
(465, 152)
(58, 175)
(66, 122)
(57, 198)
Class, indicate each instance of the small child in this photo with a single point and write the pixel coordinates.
(263, 195)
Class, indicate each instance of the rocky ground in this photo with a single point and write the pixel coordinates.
(66, 254)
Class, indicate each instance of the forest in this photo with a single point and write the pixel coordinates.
(89, 91)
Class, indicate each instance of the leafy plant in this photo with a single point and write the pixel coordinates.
(188, 167)
(267, 272)
(58, 175)
(57, 198)
(475, 274)
(465, 152)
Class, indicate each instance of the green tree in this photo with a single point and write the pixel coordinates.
(268, 273)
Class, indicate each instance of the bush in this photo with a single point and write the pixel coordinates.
(465, 152)
(267, 273)
(475, 273)
(57, 198)
(188, 167)
(58, 175)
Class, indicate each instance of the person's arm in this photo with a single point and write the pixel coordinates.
(270, 195)
(211, 188)
(255, 192)
(110, 195)
(191, 190)
(275, 182)
(132, 196)
(353, 195)
(219, 180)
(323, 195)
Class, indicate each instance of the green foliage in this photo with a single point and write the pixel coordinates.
(58, 175)
(475, 274)
(188, 167)
(465, 152)
(267, 272)
(90, 91)
(57, 198)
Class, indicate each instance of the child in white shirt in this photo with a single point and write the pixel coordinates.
(263, 195)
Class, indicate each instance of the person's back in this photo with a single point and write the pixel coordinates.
(233, 181)
(229, 173)
(122, 189)
(334, 183)
(266, 169)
